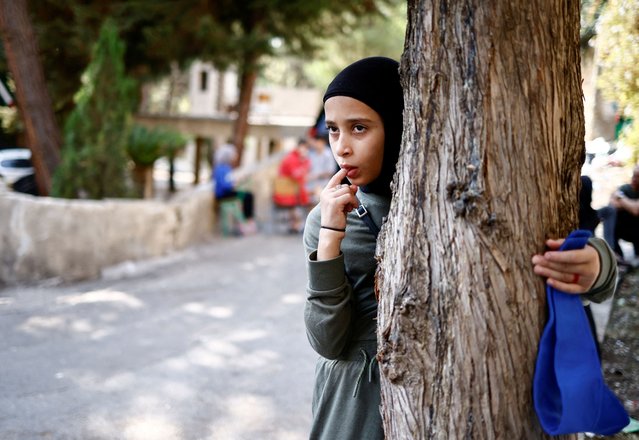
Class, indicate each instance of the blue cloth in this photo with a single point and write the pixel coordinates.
(569, 392)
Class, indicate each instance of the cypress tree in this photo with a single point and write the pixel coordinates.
(94, 160)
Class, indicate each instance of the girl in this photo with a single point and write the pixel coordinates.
(364, 106)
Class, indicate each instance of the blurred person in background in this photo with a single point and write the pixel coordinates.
(225, 186)
(295, 168)
(621, 216)
(323, 166)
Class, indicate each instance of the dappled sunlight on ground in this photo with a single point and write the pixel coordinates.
(213, 312)
(97, 296)
(211, 346)
(293, 298)
(254, 411)
(150, 427)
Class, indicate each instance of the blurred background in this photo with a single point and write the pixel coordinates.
(252, 72)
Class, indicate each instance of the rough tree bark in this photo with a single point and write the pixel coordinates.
(493, 141)
(248, 76)
(34, 103)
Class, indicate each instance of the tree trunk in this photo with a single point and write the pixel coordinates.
(143, 179)
(34, 103)
(248, 75)
(172, 187)
(489, 168)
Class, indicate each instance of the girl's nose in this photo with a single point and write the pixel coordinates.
(342, 148)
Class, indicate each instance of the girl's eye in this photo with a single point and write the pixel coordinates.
(359, 128)
(331, 129)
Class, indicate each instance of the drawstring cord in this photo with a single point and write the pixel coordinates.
(367, 363)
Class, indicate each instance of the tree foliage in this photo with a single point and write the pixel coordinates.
(158, 32)
(618, 45)
(144, 145)
(94, 162)
(381, 34)
(374, 34)
(589, 17)
(161, 33)
(153, 32)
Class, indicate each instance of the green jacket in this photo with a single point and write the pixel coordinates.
(340, 322)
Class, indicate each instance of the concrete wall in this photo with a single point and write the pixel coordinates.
(43, 238)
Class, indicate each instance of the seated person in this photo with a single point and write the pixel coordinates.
(225, 186)
(621, 216)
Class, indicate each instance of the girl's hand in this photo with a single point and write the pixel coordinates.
(337, 200)
(569, 271)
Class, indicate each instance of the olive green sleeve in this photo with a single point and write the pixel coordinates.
(327, 311)
(606, 282)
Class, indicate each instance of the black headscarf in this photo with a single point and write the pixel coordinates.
(375, 82)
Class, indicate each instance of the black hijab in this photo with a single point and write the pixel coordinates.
(375, 82)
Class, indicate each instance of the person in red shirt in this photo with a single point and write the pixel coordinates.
(295, 166)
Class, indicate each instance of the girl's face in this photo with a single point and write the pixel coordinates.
(356, 135)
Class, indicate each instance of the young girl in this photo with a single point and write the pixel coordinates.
(363, 107)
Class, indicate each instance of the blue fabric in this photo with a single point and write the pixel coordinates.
(569, 392)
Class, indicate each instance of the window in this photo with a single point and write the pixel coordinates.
(204, 80)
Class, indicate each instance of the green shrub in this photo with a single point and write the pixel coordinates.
(172, 142)
(144, 146)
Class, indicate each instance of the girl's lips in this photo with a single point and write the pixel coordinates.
(351, 171)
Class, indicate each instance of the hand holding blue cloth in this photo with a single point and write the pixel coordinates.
(569, 392)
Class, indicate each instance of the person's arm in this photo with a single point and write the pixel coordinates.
(627, 204)
(606, 282)
(327, 312)
(591, 271)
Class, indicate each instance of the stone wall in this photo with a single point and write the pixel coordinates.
(43, 238)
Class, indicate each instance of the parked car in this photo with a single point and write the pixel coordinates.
(15, 163)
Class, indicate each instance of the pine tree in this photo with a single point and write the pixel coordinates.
(94, 161)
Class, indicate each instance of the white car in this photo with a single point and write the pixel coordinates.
(15, 163)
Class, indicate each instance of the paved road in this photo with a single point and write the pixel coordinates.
(207, 344)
